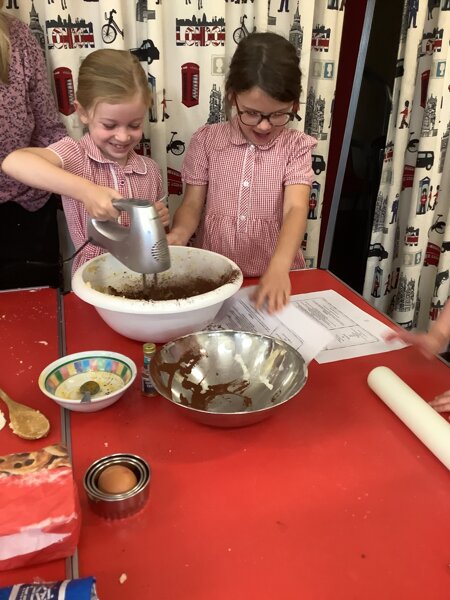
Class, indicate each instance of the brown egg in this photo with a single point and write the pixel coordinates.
(116, 479)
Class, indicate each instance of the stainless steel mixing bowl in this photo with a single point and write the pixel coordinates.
(228, 378)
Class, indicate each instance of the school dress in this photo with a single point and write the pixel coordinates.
(243, 211)
(140, 178)
(29, 246)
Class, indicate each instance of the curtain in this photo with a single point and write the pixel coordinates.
(185, 47)
(408, 265)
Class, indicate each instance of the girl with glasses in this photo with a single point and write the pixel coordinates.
(248, 179)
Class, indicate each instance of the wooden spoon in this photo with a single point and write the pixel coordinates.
(26, 422)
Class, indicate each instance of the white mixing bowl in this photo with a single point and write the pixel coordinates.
(156, 321)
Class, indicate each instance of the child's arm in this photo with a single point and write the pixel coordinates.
(41, 168)
(275, 285)
(433, 342)
(187, 216)
(440, 329)
(442, 402)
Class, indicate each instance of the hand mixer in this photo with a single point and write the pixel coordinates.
(142, 247)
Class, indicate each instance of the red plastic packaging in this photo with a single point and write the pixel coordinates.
(40, 517)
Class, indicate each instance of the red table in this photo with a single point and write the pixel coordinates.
(333, 497)
(29, 339)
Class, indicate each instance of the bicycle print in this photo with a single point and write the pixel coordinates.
(111, 29)
(177, 147)
(242, 31)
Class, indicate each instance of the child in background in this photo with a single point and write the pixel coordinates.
(112, 101)
(248, 179)
(433, 342)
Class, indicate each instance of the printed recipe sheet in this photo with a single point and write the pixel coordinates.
(355, 332)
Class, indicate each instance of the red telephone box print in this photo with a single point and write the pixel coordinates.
(65, 92)
(174, 182)
(424, 80)
(190, 84)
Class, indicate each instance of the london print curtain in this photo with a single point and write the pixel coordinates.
(407, 273)
(185, 47)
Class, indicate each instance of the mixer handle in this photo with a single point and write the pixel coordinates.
(142, 247)
(125, 204)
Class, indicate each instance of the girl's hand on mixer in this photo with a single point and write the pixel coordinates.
(163, 213)
(98, 202)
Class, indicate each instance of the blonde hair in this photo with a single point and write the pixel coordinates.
(5, 45)
(112, 76)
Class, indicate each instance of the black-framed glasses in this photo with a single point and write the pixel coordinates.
(254, 117)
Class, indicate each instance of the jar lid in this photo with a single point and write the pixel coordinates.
(149, 348)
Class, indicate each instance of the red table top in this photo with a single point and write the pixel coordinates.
(332, 497)
(29, 339)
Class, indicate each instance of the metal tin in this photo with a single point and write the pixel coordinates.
(118, 506)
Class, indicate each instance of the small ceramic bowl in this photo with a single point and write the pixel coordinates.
(118, 506)
(61, 379)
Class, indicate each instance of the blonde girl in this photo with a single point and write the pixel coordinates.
(112, 101)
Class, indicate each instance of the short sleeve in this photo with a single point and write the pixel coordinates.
(155, 177)
(72, 155)
(299, 167)
(195, 169)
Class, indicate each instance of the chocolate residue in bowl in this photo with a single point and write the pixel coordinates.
(199, 396)
(179, 289)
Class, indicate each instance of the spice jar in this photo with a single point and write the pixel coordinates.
(147, 387)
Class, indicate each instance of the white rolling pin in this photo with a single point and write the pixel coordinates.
(428, 425)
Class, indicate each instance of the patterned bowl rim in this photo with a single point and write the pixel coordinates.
(54, 367)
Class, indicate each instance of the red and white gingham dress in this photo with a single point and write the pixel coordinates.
(140, 178)
(243, 211)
